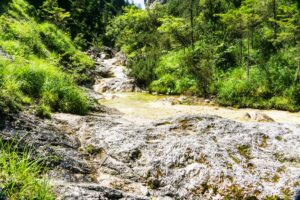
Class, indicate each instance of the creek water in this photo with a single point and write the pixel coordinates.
(144, 107)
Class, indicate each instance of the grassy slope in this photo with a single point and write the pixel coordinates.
(40, 67)
(45, 66)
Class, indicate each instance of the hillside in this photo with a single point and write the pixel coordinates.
(41, 65)
(42, 70)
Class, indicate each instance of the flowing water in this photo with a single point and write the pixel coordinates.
(146, 107)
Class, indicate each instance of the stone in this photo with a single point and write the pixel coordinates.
(5, 55)
(258, 116)
(184, 157)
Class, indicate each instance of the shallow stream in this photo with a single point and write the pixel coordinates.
(144, 107)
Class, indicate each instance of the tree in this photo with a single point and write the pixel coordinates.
(52, 12)
(242, 22)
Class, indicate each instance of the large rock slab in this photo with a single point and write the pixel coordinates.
(103, 156)
(195, 157)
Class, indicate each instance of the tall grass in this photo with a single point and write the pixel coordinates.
(20, 177)
(45, 84)
(45, 67)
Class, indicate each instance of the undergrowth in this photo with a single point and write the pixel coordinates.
(20, 177)
(39, 65)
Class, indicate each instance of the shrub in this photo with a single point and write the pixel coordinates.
(142, 68)
(43, 111)
(74, 101)
(256, 92)
(165, 85)
(61, 94)
(173, 77)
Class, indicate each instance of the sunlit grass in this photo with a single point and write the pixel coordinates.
(20, 177)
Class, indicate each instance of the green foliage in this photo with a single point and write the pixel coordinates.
(55, 39)
(173, 75)
(255, 92)
(243, 52)
(142, 69)
(51, 11)
(75, 61)
(43, 111)
(45, 83)
(20, 176)
(84, 20)
(32, 71)
(132, 30)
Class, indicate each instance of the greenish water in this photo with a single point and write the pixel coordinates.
(144, 107)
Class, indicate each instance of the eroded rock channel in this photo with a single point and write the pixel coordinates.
(106, 156)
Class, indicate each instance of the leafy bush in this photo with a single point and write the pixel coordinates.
(142, 68)
(173, 76)
(20, 176)
(236, 90)
(43, 111)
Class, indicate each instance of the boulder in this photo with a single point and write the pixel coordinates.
(258, 116)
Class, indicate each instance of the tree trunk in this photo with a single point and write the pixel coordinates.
(241, 52)
(248, 59)
(192, 23)
(275, 18)
(297, 71)
(248, 55)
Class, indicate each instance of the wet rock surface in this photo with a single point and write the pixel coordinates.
(114, 74)
(103, 156)
(197, 157)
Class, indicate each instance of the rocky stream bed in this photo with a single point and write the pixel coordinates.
(108, 155)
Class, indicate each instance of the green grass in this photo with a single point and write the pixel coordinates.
(44, 83)
(20, 177)
(45, 67)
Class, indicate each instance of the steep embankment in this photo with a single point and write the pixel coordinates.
(39, 65)
(40, 69)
